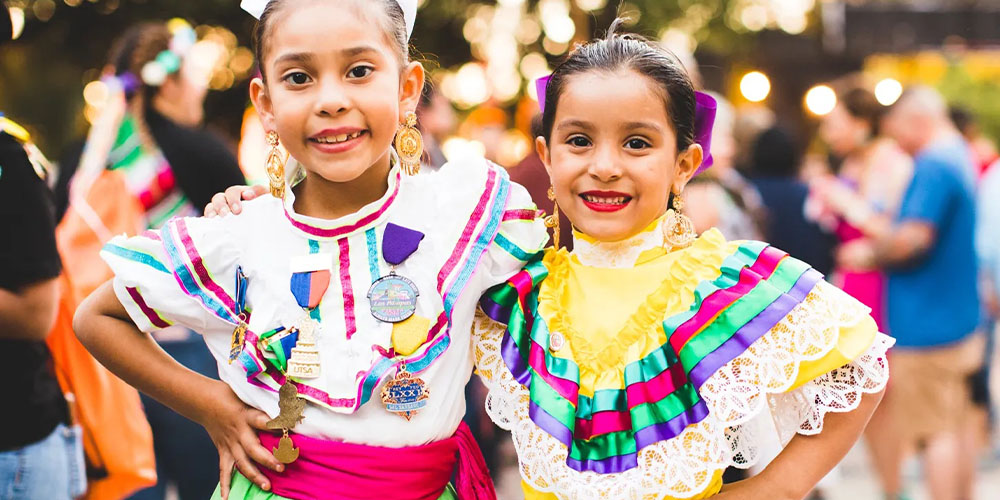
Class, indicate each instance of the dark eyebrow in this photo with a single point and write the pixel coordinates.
(294, 57)
(305, 57)
(574, 124)
(356, 51)
(647, 125)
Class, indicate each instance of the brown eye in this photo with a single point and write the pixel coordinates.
(578, 141)
(297, 78)
(637, 144)
(360, 71)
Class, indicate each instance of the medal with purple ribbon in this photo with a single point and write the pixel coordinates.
(393, 298)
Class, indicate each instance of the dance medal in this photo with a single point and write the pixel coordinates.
(393, 298)
(240, 333)
(406, 394)
(408, 335)
(290, 408)
(310, 279)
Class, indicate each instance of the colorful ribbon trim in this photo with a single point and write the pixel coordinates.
(757, 287)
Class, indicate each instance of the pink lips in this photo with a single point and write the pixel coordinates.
(343, 146)
(605, 201)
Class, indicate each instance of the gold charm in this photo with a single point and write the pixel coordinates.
(275, 166)
(678, 230)
(552, 221)
(290, 407)
(305, 362)
(410, 145)
(239, 336)
(286, 452)
(406, 394)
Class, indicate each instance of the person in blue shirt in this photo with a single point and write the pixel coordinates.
(929, 252)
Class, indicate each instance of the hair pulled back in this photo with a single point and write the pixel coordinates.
(618, 51)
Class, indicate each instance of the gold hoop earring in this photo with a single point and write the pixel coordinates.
(275, 167)
(552, 221)
(410, 145)
(678, 230)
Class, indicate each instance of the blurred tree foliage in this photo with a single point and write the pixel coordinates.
(65, 43)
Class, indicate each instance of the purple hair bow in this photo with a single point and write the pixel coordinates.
(704, 119)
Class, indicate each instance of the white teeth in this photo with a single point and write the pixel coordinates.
(619, 200)
(338, 138)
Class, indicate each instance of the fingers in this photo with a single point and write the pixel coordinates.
(225, 473)
(257, 419)
(258, 453)
(254, 192)
(250, 471)
(210, 211)
(233, 196)
(251, 443)
(220, 204)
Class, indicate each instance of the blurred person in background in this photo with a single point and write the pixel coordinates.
(982, 148)
(928, 250)
(41, 455)
(874, 172)
(144, 162)
(722, 198)
(437, 120)
(774, 171)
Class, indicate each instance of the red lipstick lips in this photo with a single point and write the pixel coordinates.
(605, 201)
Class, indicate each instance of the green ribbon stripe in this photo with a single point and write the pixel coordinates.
(745, 309)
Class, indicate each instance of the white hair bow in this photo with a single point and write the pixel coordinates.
(256, 9)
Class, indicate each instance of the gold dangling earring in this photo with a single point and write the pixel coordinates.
(275, 167)
(552, 221)
(678, 230)
(410, 145)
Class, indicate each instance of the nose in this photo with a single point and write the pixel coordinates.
(332, 98)
(605, 165)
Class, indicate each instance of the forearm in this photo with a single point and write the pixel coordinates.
(29, 313)
(807, 459)
(103, 327)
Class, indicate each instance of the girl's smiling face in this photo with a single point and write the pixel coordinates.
(612, 154)
(335, 91)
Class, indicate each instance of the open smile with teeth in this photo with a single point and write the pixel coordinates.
(337, 139)
(619, 200)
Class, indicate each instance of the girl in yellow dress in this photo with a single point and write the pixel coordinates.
(631, 366)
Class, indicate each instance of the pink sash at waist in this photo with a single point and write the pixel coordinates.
(329, 469)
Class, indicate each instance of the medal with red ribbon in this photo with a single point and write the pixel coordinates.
(310, 279)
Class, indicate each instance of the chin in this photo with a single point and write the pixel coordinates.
(607, 231)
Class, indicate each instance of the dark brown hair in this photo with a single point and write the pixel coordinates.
(394, 25)
(626, 51)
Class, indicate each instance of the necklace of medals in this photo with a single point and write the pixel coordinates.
(393, 299)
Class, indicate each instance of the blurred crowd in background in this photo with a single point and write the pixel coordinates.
(859, 136)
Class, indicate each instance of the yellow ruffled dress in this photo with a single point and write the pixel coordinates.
(623, 370)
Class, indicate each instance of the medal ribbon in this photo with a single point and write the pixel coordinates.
(278, 350)
(309, 287)
(241, 294)
(399, 243)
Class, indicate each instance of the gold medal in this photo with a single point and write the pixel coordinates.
(286, 452)
(239, 336)
(305, 361)
(406, 394)
(290, 407)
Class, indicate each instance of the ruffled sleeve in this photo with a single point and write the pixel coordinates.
(183, 274)
(519, 238)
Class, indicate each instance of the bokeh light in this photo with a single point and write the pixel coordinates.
(820, 100)
(755, 86)
(888, 91)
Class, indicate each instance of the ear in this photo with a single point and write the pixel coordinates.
(262, 102)
(411, 84)
(687, 164)
(542, 148)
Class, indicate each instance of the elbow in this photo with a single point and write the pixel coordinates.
(83, 318)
